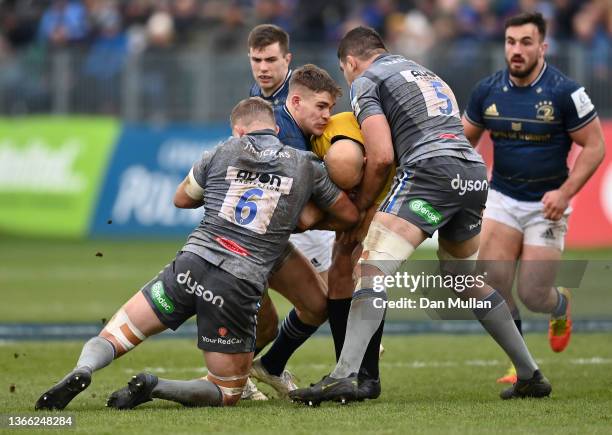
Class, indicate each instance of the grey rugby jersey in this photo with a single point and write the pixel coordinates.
(254, 190)
(420, 107)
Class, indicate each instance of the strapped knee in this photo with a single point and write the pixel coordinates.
(456, 266)
(229, 393)
(384, 249)
(124, 331)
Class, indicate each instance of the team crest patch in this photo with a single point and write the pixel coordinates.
(517, 126)
(425, 210)
(545, 111)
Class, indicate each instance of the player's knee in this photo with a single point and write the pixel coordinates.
(122, 333)
(384, 251)
(315, 314)
(452, 265)
(231, 387)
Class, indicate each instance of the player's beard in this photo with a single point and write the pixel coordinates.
(521, 74)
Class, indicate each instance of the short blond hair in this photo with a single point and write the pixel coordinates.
(250, 110)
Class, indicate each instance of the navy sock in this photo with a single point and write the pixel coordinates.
(561, 307)
(516, 315)
(293, 333)
(338, 310)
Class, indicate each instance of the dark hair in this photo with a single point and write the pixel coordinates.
(266, 34)
(252, 109)
(528, 18)
(316, 79)
(361, 42)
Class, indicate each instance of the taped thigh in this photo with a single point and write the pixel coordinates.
(124, 331)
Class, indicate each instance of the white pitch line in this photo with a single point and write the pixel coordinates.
(595, 360)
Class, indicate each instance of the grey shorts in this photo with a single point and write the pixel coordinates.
(225, 306)
(444, 194)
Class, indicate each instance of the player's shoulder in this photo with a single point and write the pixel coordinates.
(497, 80)
(559, 83)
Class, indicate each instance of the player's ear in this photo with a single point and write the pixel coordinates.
(351, 62)
(276, 128)
(295, 100)
(543, 48)
(288, 57)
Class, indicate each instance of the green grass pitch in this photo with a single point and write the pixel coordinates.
(431, 383)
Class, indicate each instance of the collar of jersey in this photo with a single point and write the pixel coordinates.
(263, 132)
(530, 85)
(286, 109)
(287, 77)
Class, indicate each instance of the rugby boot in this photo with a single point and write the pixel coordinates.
(342, 390)
(283, 384)
(537, 386)
(560, 328)
(65, 390)
(251, 392)
(509, 377)
(137, 391)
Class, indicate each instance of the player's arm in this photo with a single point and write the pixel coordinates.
(341, 215)
(591, 139)
(472, 131)
(189, 194)
(309, 217)
(472, 119)
(378, 147)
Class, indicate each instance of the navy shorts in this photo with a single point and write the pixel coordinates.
(225, 306)
(444, 194)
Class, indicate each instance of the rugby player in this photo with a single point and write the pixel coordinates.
(409, 114)
(270, 58)
(312, 94)
(253, 189)
(533, 113)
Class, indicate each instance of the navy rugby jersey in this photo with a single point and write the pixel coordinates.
(530, 128)
(289, 132)
(279, 97)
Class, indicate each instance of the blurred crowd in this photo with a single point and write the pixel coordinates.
(410, 26)
(108, 33)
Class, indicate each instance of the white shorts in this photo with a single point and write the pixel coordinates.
(528, 218)
(316, 245)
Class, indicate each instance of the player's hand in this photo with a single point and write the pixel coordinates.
(555, 203)
(359, 231)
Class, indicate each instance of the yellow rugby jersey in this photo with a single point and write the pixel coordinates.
(344, 126)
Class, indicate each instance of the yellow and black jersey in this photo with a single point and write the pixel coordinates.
(344, 126)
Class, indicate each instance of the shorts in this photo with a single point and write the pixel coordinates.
(316, 245)
(528, 218)
(444, 194)
(225, 306)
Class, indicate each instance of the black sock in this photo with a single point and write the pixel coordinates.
(338, 310)
(293, 333)
(516, 315)
(371, 356)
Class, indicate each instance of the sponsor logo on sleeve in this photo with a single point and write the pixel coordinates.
(582, 102)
